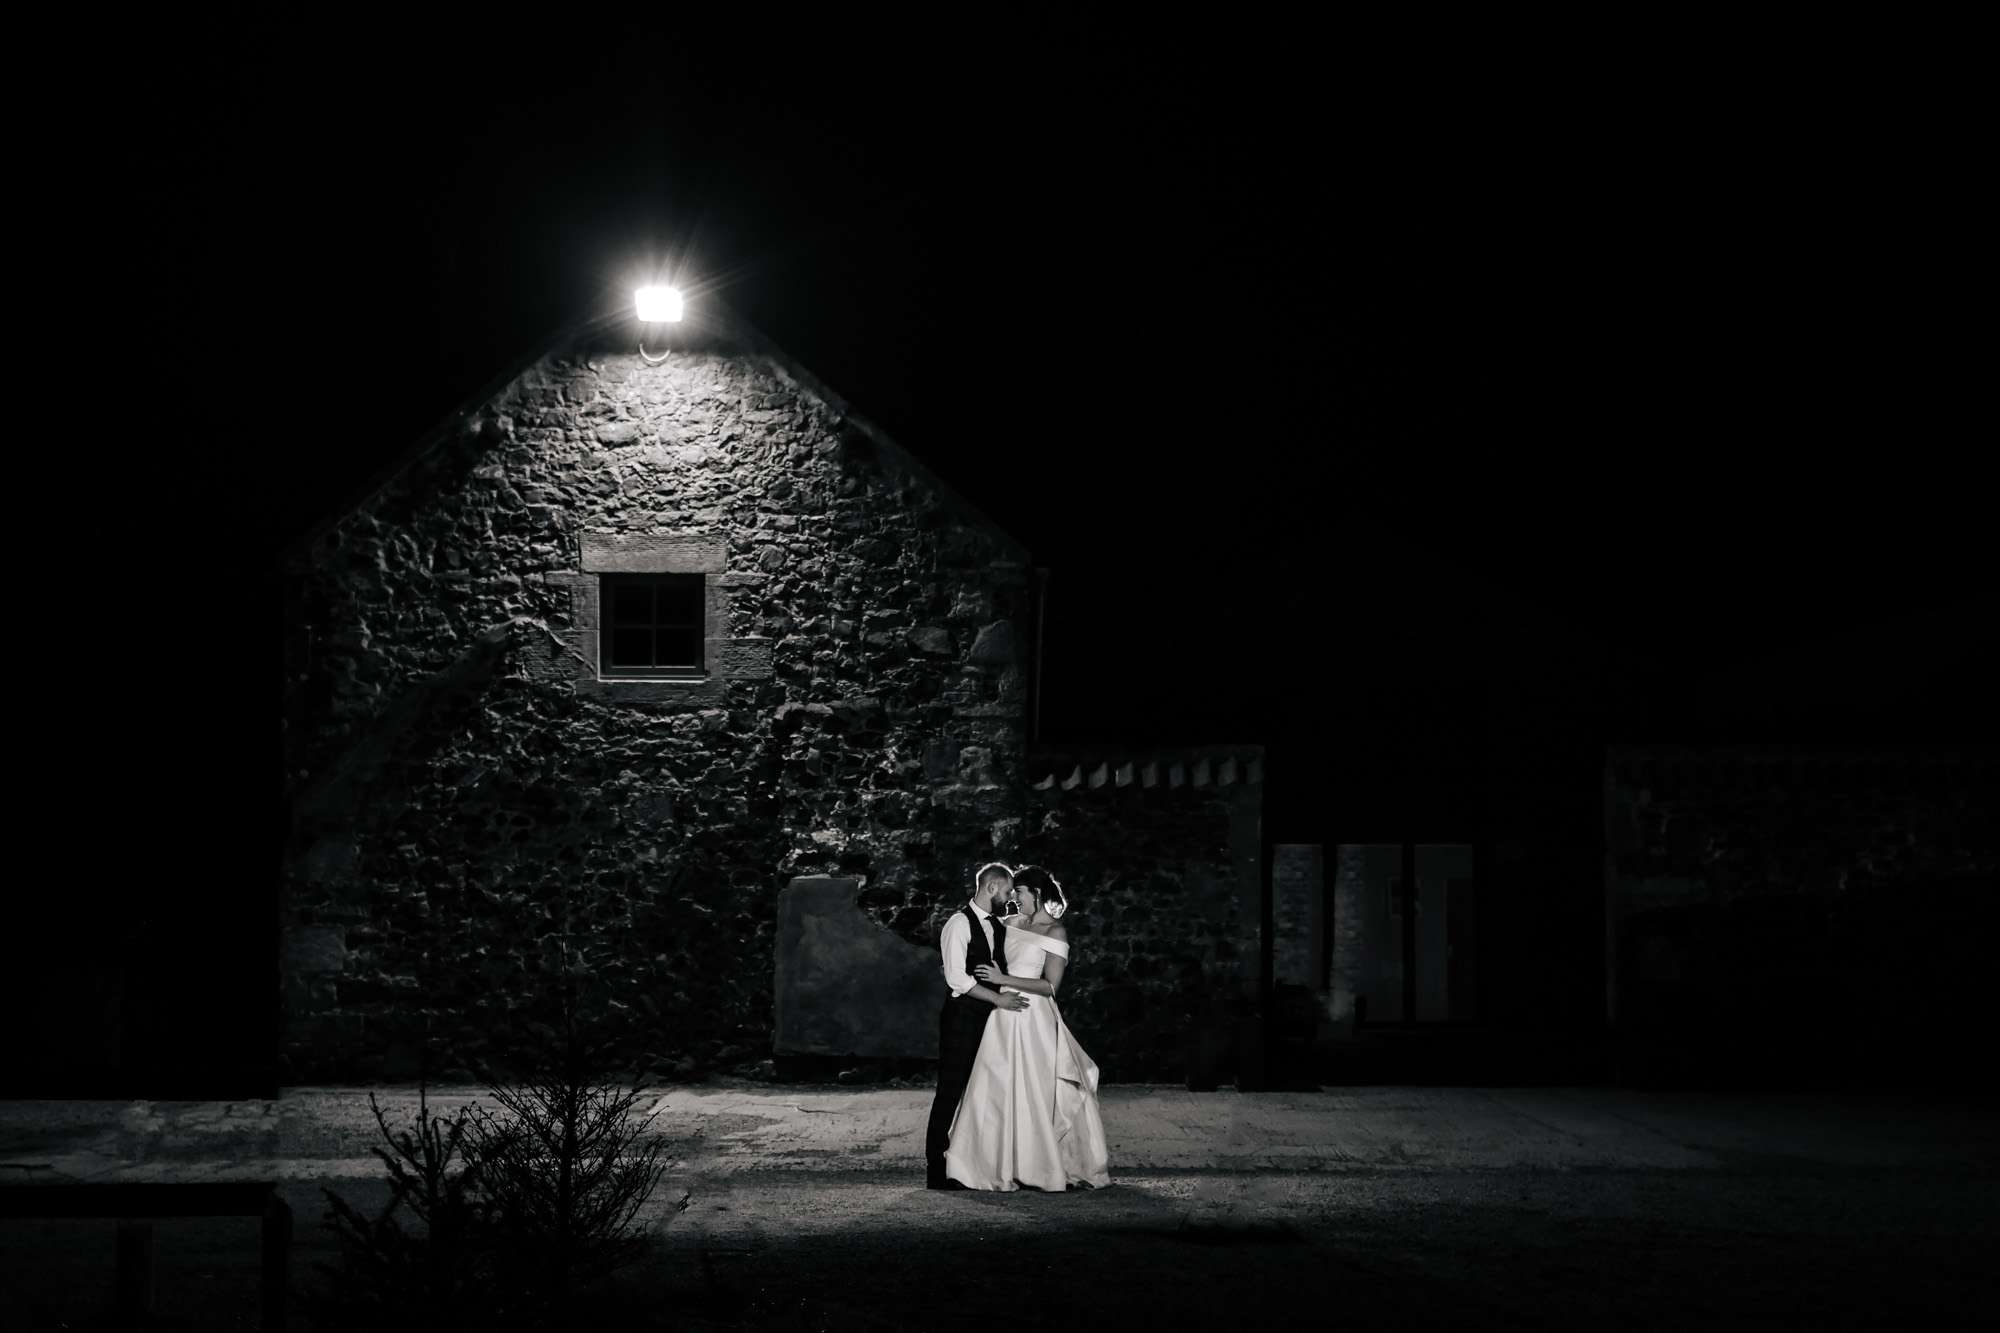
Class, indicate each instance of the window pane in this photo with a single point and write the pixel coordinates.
(680, 647)
(631, 604)
(631, 647)
(680, 601)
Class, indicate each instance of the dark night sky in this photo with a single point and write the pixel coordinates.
(1345, 387)
(1258, 347)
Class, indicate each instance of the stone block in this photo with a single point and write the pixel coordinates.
(931, 640)
(311, 950)
(791, 716)
(977, 768)
(640, 553)
(941, 760)
(711, 690)
(740, 659)
(544, 660)
(1001, 710)
(1297, 914)
(996, 645)
(859, 713)
(972, 604)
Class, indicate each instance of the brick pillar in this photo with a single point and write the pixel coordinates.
(1350, 932)
(1298, 915)
(1246, 855)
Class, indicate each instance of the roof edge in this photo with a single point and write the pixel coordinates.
(757, 343)
(424, 444)
(790, 367)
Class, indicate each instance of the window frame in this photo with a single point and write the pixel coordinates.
(696, 624)
(575, 651)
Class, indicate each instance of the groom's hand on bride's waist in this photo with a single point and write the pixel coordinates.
(999, 999)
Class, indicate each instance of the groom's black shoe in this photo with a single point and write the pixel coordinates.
(946, 1184)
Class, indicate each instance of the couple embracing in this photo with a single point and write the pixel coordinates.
(1017, 1096)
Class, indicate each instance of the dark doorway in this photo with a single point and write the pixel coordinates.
(1410, 952)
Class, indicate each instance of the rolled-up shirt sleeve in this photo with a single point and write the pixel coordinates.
(951, 943)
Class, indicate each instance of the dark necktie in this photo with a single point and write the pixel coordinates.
(999, 945)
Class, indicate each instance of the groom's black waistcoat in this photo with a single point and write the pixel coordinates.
(975, 948)
(961, 1023)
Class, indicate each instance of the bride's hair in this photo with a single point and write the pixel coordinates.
(1046, 888)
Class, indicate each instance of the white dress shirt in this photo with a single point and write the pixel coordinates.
(952, 940)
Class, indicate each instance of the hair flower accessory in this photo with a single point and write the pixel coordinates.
(1058, 903)
(1047, 889)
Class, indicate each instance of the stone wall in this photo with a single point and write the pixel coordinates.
(464, 787)
(1774, 913)
(1366, 974)
(1298, 915)
(1161, 856)
(845, 986)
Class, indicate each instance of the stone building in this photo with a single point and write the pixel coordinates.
(623, 649)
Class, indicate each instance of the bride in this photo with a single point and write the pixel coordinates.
(1029, 1114)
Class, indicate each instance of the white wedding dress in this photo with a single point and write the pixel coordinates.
(1029, 1115)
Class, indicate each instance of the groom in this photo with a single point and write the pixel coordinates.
(971, 936)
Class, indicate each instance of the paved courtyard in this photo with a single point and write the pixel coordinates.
(1515, 1207)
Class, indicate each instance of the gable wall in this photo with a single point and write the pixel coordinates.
(462, 782)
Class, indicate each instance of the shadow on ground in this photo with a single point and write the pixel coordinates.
(1774, 1247)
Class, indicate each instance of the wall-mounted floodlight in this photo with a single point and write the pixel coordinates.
(658, 305)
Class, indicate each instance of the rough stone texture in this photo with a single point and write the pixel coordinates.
(996, 645)
(1817, 908)
(313, 953)
(742, 659)
(462, 783)
(1368, 934)
(1350, 932)
(931, 640)
(1298, 911)
(1165, 885)
(845, 985)
(642, 553)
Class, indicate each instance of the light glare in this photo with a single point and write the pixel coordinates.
(659, 305)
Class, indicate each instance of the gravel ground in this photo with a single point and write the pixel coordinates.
(1758, 1244)
(1543, 1208)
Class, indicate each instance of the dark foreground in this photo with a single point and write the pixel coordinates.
(1761, 1243)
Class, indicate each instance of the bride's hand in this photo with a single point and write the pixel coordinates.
(988, 973)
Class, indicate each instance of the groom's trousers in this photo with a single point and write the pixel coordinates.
(960, 1027)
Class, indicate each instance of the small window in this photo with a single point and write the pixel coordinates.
(652, 625)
